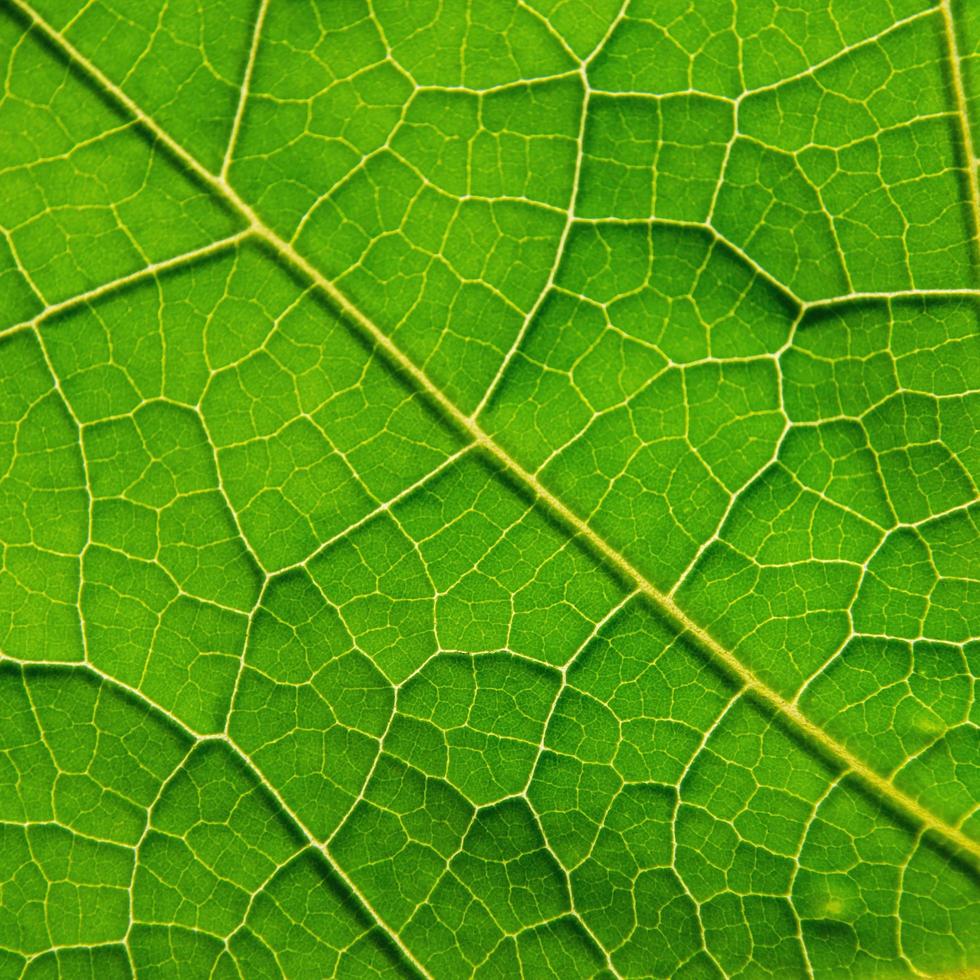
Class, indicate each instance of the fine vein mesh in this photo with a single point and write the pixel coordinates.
(489, 489)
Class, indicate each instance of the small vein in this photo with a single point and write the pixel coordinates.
(962, 112)
(201, 738)
(244, 91)
(132, 278)
(818, 738)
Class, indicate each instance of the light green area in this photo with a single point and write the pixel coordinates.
(866, 149)
(646, 389)
(299, 680)
(648, 157)
(182, 61)
(88, 197)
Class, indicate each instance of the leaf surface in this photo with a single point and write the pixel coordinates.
(489, 489)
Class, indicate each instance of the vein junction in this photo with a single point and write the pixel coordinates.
(432, 592)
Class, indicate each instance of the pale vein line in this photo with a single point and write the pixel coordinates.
(839, 54)
(555, 265)
(569, 222)
(898, 294)
(147, 272)
(959, 91)
(219, 184)
(202, 738)
(706, 228)
(246, 87)
(381, 508)
(679, 619)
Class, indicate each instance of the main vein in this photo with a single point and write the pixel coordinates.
(825, 743)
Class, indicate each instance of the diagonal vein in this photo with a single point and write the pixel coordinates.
(246, 86)
(963, 115)
(130, 279)
(201, 738)
(724, 658)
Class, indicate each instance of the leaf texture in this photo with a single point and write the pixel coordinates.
(489, 489)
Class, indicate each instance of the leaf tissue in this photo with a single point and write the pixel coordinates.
(489, 488)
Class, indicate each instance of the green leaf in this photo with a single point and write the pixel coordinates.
(489, 489)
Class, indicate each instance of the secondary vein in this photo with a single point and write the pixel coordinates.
(825, 743)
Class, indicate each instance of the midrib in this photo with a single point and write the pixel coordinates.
(813, 734)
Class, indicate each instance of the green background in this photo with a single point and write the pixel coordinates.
(489, 488)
